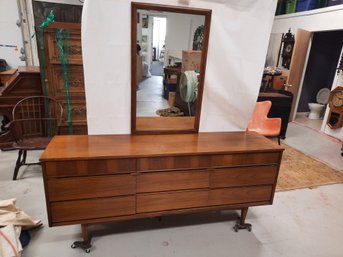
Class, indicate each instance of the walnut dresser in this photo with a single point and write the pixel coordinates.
(97, 179)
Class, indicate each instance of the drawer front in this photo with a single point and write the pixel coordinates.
(173, 180)
(227, 196)
(91, 209)
(89, 167)
(78, 111)
(171, 201)
(90, 187)
(243, 176)
(206, 161)
(74, 49)
(75, 81)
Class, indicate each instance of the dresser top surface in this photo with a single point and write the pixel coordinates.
(78, 147)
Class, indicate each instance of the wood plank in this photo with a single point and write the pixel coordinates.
(171, 201)
(166, 181)
(131, 146)
(79, 210)
(167, 124)
(206, 161)
(90, 187)
(243, 176)
(91, 167)
(297, 66)
(237, 195)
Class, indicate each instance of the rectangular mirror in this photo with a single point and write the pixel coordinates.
(168, 61)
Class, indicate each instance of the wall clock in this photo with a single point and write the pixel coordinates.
(335, 118)
(287, 50)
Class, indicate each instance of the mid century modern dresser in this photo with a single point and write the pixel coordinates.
(96, 179)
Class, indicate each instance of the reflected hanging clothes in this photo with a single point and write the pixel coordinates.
(189, 86)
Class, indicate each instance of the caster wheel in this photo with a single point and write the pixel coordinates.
(73, 246)
(235, 228)
(88, 250)
(249, 229)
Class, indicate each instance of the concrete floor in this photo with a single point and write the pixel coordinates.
(149, 97)
(306, 222)
(302, 118)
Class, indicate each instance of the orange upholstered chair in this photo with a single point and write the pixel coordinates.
(260, 123)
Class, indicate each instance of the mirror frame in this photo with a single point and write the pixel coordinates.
(135, 6)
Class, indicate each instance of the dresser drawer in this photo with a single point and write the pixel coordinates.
(206, 161)
(243, 176)
(90, 187)
(172, 180)
(239, 195)
(88, 167)
(79, 210)
(171, 201)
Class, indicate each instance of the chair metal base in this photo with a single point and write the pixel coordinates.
(85, 244)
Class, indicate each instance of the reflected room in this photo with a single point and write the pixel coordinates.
(168, 67)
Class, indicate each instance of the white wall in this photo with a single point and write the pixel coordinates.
(10, 33)
(180, 32)
(325, 19)
(237, 49)
(329, 18)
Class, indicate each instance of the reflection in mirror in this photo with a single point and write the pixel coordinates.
(169, 48)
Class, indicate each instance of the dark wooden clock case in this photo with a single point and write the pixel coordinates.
(288, 42)
(335, 118)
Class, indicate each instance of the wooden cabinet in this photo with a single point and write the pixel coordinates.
(14, 86)
(65, 85)
(281, 107)
(94, 179)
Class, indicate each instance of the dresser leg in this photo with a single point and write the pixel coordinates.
(86, 243)
(240, 224)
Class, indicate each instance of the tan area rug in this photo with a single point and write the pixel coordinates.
(170, 112)
(301, 171)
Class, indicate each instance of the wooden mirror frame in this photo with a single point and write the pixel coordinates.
(175, 9)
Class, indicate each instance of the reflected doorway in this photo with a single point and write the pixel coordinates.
(152, 39)
(159, 40)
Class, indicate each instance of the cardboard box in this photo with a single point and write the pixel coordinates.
(191, 60)
(171, 99)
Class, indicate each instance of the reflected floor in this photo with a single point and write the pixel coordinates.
(302, 118)
(149, 97)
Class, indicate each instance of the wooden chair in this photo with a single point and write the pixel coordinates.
(260, 123)
(36, 119)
